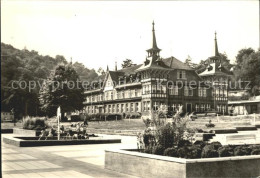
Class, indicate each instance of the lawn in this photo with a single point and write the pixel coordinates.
(138, 125)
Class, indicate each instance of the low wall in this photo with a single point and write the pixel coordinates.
(147, 165)
(18, 141)
(25, 132)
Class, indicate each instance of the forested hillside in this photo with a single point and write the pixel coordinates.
(24, 65)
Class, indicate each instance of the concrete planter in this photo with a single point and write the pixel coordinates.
(147, 165)
(25, 132)
(33, 141)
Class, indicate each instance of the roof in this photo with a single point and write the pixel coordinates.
(212, 69)
(174, 63)
(154, 65)
(130, 70)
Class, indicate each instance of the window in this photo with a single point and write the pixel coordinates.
(113, 108)
(123, 94)
(136, 107)
(174, 107)
(118, 95)
(153, 88)
(186, 91)
(106, 95)
(126, 106)
(164, 89)
(197, 107)
(181, 74)
(202, 92)
(173, 90)
(109, 108)
(202, 107)
(136, 94)
(112, 95)
(190, 92)
(156, 106)
(208, 107)
(132, 107)
(148, 105)
(117, 108)
(130, 93)
(144, 103)
(122, 107)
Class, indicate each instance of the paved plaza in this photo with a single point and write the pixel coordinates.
(60, 161)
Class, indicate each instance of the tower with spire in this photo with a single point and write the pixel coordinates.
(154, 52)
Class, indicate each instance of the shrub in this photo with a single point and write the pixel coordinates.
(226, 151)
(209, 152)
(158, 150)
(200, 143)
(255, 150)
(148, 149)
(183, 143)
(166, 136)
(194, 152)
(35, 123)
(148, 139)
(173, 152)
(183, 152)
(242, 150)
(216, 145)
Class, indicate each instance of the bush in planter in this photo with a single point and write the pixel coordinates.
(209, 152)
(183, 143)
(242, 150)
(216, 145)
(190, 152)
(158, 150)
(194, 152)
(200, 143)
(226, 151)
(165, 136)
(173, 152)
(255, 149)
(148, 149)
(183, 152)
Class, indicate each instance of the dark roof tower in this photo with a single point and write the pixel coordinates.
(154, 51)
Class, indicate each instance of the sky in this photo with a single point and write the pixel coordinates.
(99, 33)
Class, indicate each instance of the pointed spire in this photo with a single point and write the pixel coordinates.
(216, 45)
(71, 60)
(154, 39)
(154, 51)
(107, 68)
(115, 66)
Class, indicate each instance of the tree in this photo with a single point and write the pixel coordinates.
(84, 73)
(63, 89)
(248, 67)
(127, 63)
(101, 71)
(243, 55)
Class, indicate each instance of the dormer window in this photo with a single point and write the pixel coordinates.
(181, 74)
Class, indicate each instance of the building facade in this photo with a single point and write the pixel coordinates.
(156, 83)
(218, 77)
